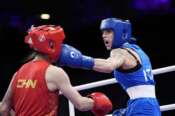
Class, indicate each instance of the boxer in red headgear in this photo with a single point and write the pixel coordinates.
(34, 88)
(46, 39)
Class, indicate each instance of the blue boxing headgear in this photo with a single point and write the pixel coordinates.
(122, 30)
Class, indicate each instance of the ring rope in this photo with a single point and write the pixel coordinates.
(113, 80)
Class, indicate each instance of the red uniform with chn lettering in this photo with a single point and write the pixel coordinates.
(31, 96)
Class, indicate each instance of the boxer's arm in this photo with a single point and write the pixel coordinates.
(116, 59)
(61, 81)
(97, 102)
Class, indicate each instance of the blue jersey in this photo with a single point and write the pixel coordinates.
(141, 76)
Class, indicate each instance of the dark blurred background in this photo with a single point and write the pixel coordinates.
(153, 23)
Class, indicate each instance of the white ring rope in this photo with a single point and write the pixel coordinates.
(167, 107)
(113, 80)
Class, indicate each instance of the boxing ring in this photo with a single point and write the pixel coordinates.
(113, 80)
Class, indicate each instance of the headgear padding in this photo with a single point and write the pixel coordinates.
(46, 39)
(122, 30)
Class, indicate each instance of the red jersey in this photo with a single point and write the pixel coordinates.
(31, 96)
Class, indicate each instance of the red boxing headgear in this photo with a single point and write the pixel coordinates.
(46, 39)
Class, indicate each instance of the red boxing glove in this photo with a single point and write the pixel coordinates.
(102, 104)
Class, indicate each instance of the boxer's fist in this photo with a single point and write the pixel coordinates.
(72, 57)
(102, 104)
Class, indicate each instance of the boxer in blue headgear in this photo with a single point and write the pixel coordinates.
(130, 65)
(121, 29)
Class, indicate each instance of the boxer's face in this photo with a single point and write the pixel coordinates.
(108, 36)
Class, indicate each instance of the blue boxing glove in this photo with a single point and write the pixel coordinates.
(72, 57)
